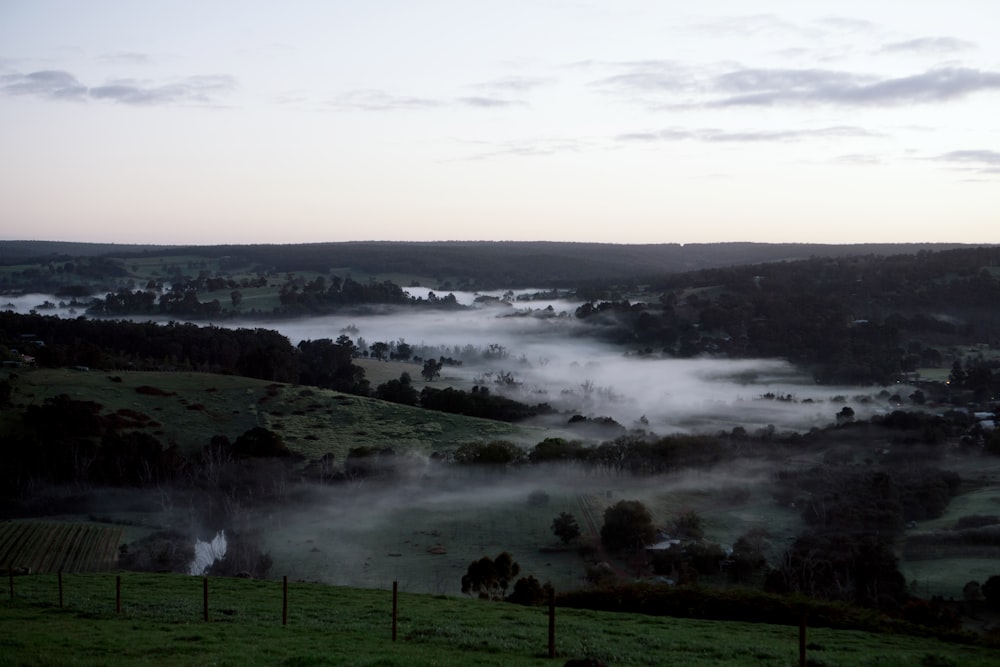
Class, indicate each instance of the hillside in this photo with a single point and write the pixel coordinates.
(188, 409)
(463, 265)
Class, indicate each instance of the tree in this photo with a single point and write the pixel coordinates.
(529, 592)
(956, 377)
(488, 579)
(432, 369)
(748, 554)
(497, 452)
(628, 525)
(403, 350)
(565, 527)
(398, 391)
(324, 363)
(688, 526)
(846, 415)
(991, 591)
(380, 350)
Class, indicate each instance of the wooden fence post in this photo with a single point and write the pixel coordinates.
(552, 623)
(284, 600)
(118, 594)
(802, 640)
(395, 607)
(10, 576)
(204, 595)
(60, 589)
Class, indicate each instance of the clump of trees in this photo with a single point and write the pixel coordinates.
(628, 526)
(488, 578)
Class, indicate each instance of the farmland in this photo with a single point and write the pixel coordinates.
(161, 622)
(189, 408)
(38, 547)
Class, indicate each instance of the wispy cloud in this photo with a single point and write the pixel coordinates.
(382, 101)
(749, 136)
(47, 84)
(379, 100)
(517, 84)
(489, 102)
(847, 24)
(930, 45)
(126, 58)
(650, 76)
(746, 25)
(980, 161)
(529, 148)
(859, 159)
(767, 87)
(661, 84)
(61, 85)
(192, 89)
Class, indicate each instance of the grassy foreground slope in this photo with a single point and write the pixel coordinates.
(161, 623)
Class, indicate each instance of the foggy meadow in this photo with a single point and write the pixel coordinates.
(354, 432)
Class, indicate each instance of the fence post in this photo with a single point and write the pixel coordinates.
(284, 600)
(802, 640)
(10, 575)
(395, 607)
(204, 589)
(552, 623)
(118, 594)
(60, 589)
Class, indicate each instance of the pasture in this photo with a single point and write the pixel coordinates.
(190, 408)
(161, 623)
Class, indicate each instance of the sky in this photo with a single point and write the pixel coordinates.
(627, 121)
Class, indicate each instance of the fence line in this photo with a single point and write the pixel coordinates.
(551, 616)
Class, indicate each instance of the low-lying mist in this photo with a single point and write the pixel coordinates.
(539, 355)
(424, 526)
(528, 345)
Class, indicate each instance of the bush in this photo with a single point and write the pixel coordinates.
(529, 592)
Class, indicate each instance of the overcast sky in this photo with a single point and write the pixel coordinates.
(621, 121)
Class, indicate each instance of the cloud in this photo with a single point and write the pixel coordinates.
(933, 45)
(489, 102)
(650, 76)
(531, 148)
(749, 136)
(859, 159)
(518, 84)
(379, 100)
(746, 25)
(768, 87)
(193, 89)
(847, 24)
(670, 85)
(48, 84)
(127, 58)
(60, 85)
(980, 161)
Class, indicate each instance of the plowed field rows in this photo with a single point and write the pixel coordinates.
(35, 546)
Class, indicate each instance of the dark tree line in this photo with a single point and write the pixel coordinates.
(851, 319)
(54, 342)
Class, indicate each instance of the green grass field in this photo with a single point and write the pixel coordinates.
(161, 623)
(312, 421)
